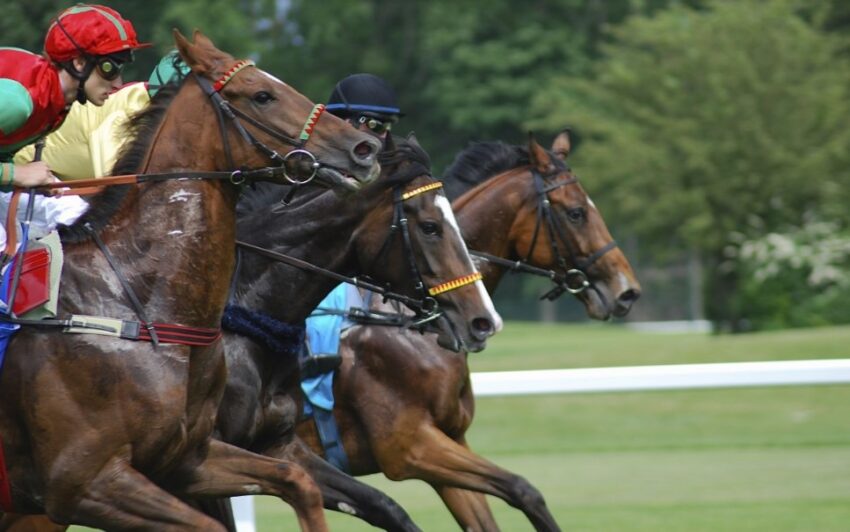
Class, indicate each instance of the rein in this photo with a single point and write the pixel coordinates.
(162, 332)
(425, 305)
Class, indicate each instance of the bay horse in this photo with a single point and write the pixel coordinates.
(106, 432)
(262, 400)
(403, 404)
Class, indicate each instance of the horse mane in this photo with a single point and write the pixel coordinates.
(481, 161)
(141, 128)
(399, 151)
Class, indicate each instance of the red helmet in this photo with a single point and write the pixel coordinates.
(91, 30)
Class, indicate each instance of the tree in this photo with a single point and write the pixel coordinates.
(708, 127)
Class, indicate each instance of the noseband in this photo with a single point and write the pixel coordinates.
(223, 108)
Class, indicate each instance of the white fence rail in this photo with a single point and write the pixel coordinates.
(667, 377)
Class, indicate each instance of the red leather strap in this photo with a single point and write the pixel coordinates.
(181, 334)
(5, 489)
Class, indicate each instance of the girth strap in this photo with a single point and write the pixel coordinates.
(167, 333)
(131, 294)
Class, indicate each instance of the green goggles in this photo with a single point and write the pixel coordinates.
(109, 67)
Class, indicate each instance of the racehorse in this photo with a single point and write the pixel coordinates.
(107, 432)
(403, 405)
(357, 237)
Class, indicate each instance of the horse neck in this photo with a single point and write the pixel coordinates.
(174, 240)
(487, 214)
(322, 232)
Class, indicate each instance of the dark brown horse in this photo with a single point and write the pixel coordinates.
(403, 405)
(103, 431)
(362, 236)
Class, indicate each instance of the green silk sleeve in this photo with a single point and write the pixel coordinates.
(15, 105)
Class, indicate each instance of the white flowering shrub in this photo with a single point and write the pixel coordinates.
(797, 278)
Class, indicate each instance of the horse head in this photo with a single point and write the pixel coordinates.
(570, 237)
(421, 250)
(525, 206)
(264, 122)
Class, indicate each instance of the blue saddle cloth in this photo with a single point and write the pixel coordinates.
(324, 327)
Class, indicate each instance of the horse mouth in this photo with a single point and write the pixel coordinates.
(345, 181)
(595, 305)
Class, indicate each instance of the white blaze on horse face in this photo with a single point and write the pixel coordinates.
(445, 206)
(266, 74)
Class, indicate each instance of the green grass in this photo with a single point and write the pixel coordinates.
(525, 345)
(748, 459)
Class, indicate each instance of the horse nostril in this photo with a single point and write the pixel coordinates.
(629, 296)
(482, 328)
(365, 150)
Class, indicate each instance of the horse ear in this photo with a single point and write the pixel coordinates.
(562, 144)
(540, 158)
(195, 54)
(202, 40)
(411, 138)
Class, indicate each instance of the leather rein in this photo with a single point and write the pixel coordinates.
(143, 329)
(425, 305)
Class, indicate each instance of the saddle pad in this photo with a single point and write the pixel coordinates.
(34, 284)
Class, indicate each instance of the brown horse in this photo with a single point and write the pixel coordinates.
(403, 404)
(362, 236)
(103, 431)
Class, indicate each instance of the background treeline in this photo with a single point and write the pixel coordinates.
(713, 135)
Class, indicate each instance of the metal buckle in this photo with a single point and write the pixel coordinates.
(236, 177)
(314, 165)
(576, 278)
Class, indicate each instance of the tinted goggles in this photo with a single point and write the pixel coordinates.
(109, 67)
(374, 124)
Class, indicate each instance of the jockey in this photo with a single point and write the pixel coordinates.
(367, 102)
(86, 48)
(86, 146)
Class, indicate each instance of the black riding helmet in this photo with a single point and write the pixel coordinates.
(364, 94)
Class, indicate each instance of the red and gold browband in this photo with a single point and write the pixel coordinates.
(222, 81)
(455, 284)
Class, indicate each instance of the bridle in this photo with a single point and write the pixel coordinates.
(428, 312)
(224, 108)
(573, 280)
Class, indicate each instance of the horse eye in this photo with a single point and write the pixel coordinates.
(262, 97)
(576, 215)
(429, 228)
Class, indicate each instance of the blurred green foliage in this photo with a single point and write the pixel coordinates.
(699, 124)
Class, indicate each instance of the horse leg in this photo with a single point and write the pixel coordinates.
(228, 471)
(121, 498)
(343, 493)
(430, 455)
(29, 523)
(469, 508)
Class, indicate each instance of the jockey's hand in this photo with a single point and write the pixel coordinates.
(32, 174)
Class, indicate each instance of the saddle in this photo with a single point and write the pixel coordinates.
(33, 288)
